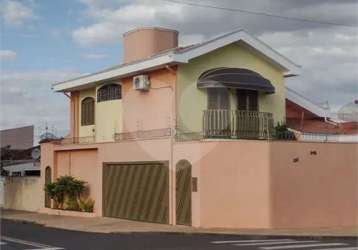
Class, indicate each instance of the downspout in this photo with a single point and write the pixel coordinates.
(172, 141)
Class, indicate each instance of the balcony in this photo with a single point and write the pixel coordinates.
(77, 140)
(237, 124)
(217, 124)
(143, 135)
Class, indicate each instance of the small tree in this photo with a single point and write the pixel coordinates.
(66, 187)
(56, 192)
(73, 187)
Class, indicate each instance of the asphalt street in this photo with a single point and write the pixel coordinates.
(21, 236)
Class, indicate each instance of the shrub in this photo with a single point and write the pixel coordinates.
(72, 204)
(282, 132)
(66, 188)
(86, 205)
(55, 192)
(73, 188)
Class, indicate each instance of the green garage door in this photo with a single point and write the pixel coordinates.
(136, 191)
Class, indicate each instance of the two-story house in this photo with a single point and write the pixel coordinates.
(200, 88)
(163, 136)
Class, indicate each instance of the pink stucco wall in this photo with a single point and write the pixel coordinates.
(233, 182)
(82, 164)
(257, 184)
(152, 109)
(241, 184)
(320, 190)
(144, 110)
(86, 161)
(240, 181)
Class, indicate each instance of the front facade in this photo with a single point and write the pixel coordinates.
(153, 151)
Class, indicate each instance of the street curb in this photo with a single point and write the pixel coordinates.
(202, 233)
(22, 221)
(249, 236)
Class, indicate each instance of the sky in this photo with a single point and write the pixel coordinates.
(44, 41)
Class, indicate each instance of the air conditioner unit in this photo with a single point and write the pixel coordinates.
(141, 82)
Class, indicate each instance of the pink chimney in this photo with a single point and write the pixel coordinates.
(143, 43)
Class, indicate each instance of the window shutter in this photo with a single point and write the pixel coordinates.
(87, 111)
(218, 98)
(224, 98)
(241, 99)
(252, 100)
(247, 100)
(212, 99)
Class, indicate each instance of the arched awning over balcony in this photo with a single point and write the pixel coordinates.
(235, 78)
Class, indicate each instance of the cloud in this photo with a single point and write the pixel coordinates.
(95, 56)
(6, 55)
(112, 18)
(26, 98)
(15, 12)
(112, 23)
(329, 60)
(328, 54)
(99, 33)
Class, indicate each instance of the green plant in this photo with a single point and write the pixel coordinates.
(50, 190)
(72, 187)
(72, 204)
(66, 188)
(282, 132)
(55, 192)
(86, 205)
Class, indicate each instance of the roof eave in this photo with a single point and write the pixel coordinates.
(117, 73)
(306, 104)
(290, 68)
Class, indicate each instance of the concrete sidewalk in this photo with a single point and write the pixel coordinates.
(114, 225)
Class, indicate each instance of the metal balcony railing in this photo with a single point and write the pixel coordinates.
(78, 140)
(143, 134)
(223, 123)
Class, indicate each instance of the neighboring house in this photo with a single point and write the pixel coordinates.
(163, 138)
(23, 168)
(17, 138)
(312, 122)
(18, 155)
(20, 162)
(16, 146)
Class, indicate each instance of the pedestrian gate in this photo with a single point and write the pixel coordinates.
(183, 193)
(136, 191)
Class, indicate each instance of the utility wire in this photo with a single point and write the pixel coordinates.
(260, 13)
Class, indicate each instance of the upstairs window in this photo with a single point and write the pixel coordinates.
(87, 111)
(109, 92)
(247, 100)
(218, 98)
